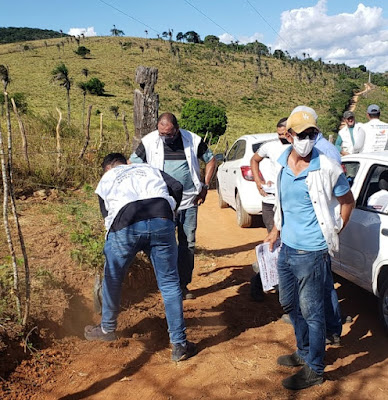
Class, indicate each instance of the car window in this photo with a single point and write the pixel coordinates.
(374, 193)
(231, 155)
(240, 152)
(350, 170)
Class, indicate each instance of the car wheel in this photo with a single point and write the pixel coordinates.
(243, 218)
(383, 305)
(221, 202)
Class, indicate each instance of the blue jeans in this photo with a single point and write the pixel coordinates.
(302, 281)
(186, 222)
(156, 237)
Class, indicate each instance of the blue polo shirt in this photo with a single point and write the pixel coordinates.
(300, 228)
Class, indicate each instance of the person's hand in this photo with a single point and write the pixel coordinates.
(261, 190)
(200, 199)
(271, 238)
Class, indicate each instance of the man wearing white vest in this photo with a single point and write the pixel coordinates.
(313, 204)
(177, 152)
(138, 203)
(376, 131)
(351, 137)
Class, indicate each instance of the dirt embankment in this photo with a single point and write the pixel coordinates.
(238, 339)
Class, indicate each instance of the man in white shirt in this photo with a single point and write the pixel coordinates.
(376, 131)
(351, 137)
(138, 203)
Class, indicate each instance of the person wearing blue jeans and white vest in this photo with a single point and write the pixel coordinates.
(138, 204)
(313, 204)
(177, 152)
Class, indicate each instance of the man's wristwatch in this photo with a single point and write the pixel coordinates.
(205, 187)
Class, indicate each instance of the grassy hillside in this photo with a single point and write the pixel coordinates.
(254, 102)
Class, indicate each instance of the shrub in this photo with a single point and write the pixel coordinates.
(95, 86)
(201, 116)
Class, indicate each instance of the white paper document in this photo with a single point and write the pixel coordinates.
(267, 261)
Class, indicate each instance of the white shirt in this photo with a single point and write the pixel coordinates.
(271, 150)
(376, 135)
(379, 201)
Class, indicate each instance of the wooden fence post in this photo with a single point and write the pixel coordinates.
(23, 134)
(87, 133)
(145, 104)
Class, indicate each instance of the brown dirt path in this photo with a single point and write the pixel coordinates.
(238, 339)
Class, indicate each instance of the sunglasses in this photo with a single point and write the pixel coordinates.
(312, 135)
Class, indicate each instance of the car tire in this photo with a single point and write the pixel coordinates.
(383, 305)
(221, 202)
(244, 220)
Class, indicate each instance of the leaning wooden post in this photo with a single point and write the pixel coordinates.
(87, 133)
(59, 149)
(102, 138)
(23, 135)
(145, 104)
(126, 132)
(7, 227)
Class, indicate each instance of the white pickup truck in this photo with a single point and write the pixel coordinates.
(363, 252)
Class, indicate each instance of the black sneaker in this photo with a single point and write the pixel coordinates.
(291, 360)
(182, 352)
(187, 295)
(333, 340)
(303, 379)
(94, 332)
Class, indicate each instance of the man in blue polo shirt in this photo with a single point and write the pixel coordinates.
(313, 204)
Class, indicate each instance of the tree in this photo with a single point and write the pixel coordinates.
(61, 74)
(279, 54)
(116, 32)
(179, 36)
(211, 41)
(82, 51)
(362, 68)
(201, 116)
(95, 86)
(192, 37)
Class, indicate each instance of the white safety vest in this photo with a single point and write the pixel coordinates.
(376, 135)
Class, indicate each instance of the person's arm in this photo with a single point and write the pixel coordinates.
(139, 156)
(272, 237)
(209, 172)
(257, 176)
(338, 144)
(103, 210)
(175, 188)
(347, 204)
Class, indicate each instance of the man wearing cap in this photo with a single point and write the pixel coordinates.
(321, 143)
(313, 204)
(376, 131)
(351, 137)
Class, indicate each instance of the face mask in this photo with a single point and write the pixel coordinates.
(303, 147)
(168, 139)
(284, 141)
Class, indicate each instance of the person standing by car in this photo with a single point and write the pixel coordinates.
(351, 137)
(177, 152)
(376, 131)
(309, 186)
(138, 208)
(272, 150)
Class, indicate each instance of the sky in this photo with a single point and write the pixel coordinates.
(339, 31)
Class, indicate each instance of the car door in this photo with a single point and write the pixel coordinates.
(234, 173)
(364, 239)
(223, 173)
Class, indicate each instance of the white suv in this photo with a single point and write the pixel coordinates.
(363, 253)
(235, 184)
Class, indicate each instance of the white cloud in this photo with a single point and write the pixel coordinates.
(79, 31)
(226, 38)
(354, 38)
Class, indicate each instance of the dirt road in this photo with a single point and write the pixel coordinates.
(238, 339)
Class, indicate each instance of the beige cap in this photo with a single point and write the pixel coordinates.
(300, 121)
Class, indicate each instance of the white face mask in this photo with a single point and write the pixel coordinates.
(303, 147)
